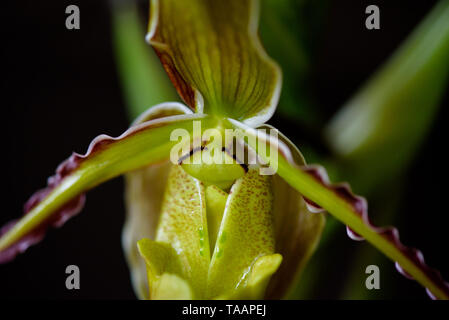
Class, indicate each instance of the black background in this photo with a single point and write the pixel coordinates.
(60, 90)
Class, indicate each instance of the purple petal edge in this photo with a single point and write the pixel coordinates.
(390, 233)
(66, 212)
(359, 206)
(74, 206)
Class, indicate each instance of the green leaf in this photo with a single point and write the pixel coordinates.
(382, 126)
(290, 31)
(106, 158)
(339, 201)
(143, 78)
(212, 53)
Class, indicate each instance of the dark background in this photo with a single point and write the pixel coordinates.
(60, 89)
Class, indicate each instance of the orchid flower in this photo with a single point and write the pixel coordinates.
(242, 228)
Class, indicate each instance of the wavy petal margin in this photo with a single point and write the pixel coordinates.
(212, 54)
(106, 158)
(312, 182)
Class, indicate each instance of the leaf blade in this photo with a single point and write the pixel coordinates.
(385, 122)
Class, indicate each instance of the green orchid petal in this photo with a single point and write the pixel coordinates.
(144, 190)
(257, 279)
(212, 53)
(215, 205)
(221, 173)
(160, 258)
(246, 233)
(164, 267)
(298, 232)
(172, 287)
(105, 159)
(260, 275)
(190, 215)
(183, 225)
(162, 110)
(338, 200)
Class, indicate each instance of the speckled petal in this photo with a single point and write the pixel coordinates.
(183, 226)
(246, 234)
(144, 190)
